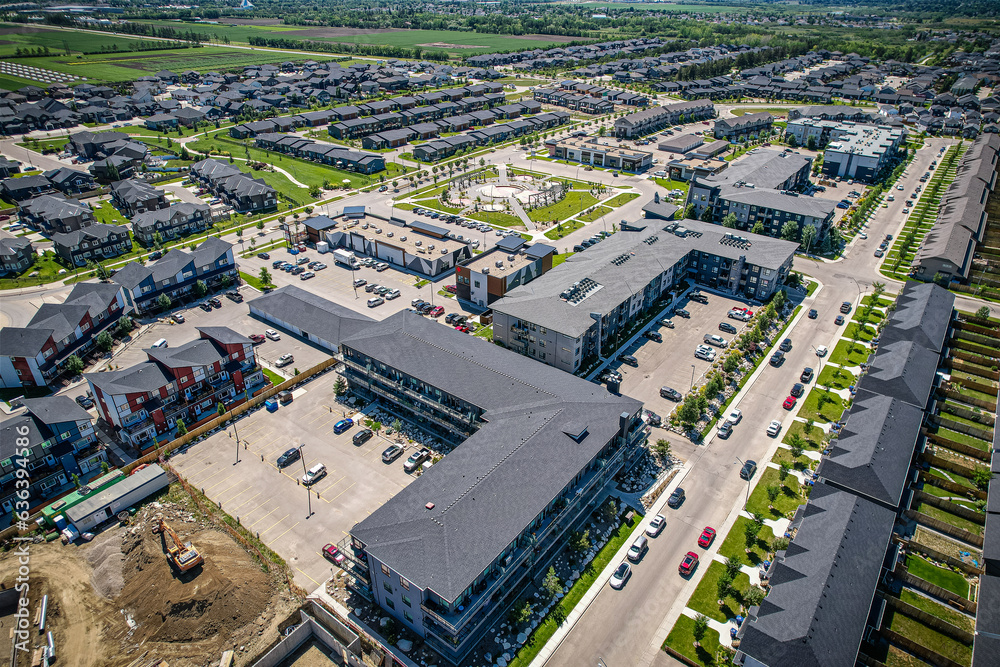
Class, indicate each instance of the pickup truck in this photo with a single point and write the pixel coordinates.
(416, 458)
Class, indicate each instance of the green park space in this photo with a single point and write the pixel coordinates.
(785, 502)
(946, 578)
(822, 406)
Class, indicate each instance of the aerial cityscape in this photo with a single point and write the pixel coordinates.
(528, 333)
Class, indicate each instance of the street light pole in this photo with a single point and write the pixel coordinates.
(692, 377)
(304, 472)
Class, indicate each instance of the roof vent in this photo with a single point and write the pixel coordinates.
(429, 506)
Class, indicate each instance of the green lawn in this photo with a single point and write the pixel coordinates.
(564, 229)
(949, 518)
(965, 439)
(498, 218)
(621, 199)
(848, 354)
(560, 258)
(547, 627)
(787, 501)
(943, 612)
(681, 639)
(273, 377)
(952, 476)
(830, 411)
(835, 377)
(882, 302)
(705, 597)
(734, 546)
(252, 280)
(939, 576)
(46, 266)
(574, 202)
(855, 331)
(596, 214)
(108, 214)
(785, 456)
(928, 637)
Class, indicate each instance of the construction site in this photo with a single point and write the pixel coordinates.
(135, 597)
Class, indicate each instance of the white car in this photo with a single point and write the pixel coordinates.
(863, 235)
(656, 525)
(620, 576)
(734, 416)
(284, 360)
(821, 351)
(774, 428)
(899, 187)
(272, 334)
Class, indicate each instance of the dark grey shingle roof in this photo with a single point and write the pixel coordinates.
(822, 588)
(310, 313)
(903, 370)
(55, 409)
(923, 314)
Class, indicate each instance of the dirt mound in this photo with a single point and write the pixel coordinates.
(217, 598)
(105, 555)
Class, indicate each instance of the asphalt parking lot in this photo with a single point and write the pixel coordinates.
(672, 362)
(271, 502)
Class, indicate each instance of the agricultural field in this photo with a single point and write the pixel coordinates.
(453, 41)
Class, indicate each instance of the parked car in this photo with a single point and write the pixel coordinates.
(774, 428)
(235, 296)
(680, 312)
(284, 360)
(333, 554)
(85, 402)
(436, 311)
(375, 301)
(777, 358)
(749, 469)
(359, 282)
(727, 327)
(845, 307)
(786, 345)
(653, 336)
(256, 339)
(813, 313)
(676, 498)
(651, 418)
(655, 526)
(381, 266)
(611, 376)
(289, 457)
(416, 458)
(734, 416)
(838, 320)
(806, 375)
(667, 323)
(706, 537)
(797, 390)
(392, 453)
(216, 301)
(789, 402)
(821, 351)
(343, 425)
(206, 306)
(272, 334)
(671, 394)
(362, 436)
(628, 360)
(624, 571)
(314, 474)
(307, 275)
(688, 564)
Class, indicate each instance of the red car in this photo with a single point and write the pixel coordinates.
(464, 328)
(332, 553)
(689, 563)
(789, 403)
(256, 338)
(436, 311)
(707, 536)
(450, 288)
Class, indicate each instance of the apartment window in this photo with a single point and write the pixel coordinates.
(406, 601)
(388, 587)
(390, 604)
(407, 616)
(385, 569)
(404, 583)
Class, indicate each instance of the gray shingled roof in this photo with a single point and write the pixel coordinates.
(22, 342)
(495, 483)
(872, 455)
(923, 315)
(198, 352)
(539, 301)
(764, 169)
(55, 409)
(225, 335)
(775, 199)
(903, 370)
(145, 377)
(822, 587)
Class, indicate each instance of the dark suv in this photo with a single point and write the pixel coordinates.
(676, 498)
(727, 327)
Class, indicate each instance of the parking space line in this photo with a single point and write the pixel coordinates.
(309, 578)
(239, 494)
(244, 503)
(219, 482)
(330, 486)
(212, 472)
(283, 534)
(273, 524)
(223, 491)
(330, 500)
(262, 518)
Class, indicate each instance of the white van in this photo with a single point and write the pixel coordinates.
(638, 548)
(314, 474)
(160, 343)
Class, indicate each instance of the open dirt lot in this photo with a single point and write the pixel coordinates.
(271, 502)
(117, 599)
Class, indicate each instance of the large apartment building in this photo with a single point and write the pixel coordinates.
(142, 403)
(601, 152)
(488, 276)
(34, 355)
(580, 308)
(853, 150)
(762, 168)
(773, 209)
(176, 273)
(656, 118)
(449, 554)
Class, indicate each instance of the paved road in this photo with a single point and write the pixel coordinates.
(627, 627)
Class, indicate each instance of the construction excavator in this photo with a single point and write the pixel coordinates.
(183, 556)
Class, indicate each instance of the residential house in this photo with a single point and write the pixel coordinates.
(95, 243)
(70, 181)
(56, 213)
(16, 254)
(176, 221)
(133, 196)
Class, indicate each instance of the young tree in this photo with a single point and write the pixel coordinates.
(260, 225)
(125, 324)
(729, 221)
(101, 272)
(220, 409)
(340, 387)
(750, 533)
(784, 470)
(981, 477)
(790, 231)
(983, 313)
(689, 212)
(181, 428)
(200, 289)
(164, 302)
(758, 228)
(754, 596)
(397, 425)
(700, 628)
(662, 448)
(733, 566)
(551, 584)
(264, 276)
(772, 493)
(724, 586)
(104, 341)
(74, 365)
(580, 541)
(105, 467)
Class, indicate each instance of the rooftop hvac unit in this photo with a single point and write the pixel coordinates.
(486, 270)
